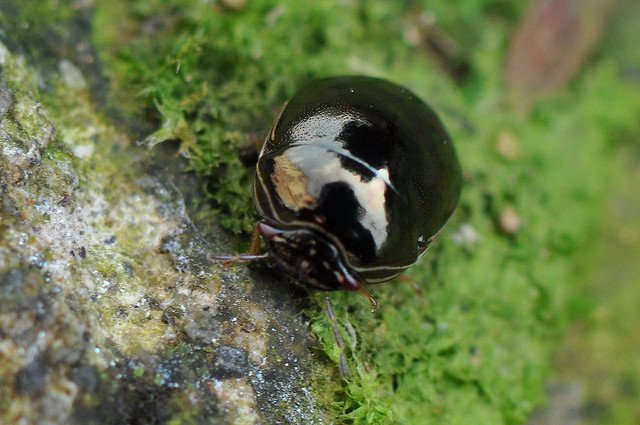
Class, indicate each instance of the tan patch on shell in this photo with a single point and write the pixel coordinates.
(291, 184)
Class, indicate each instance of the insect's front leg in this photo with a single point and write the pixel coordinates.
(253, 254)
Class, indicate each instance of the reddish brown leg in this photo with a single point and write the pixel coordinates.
(252, 255)
(414, 284)
(254, 243)
(372, 301)
(344, 371)
(350, 283)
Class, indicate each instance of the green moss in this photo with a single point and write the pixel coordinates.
(608, 330)
(138, 371)
(39, 26)
(474, 347)
(600, 350)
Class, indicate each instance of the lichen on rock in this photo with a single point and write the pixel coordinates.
(110, 310)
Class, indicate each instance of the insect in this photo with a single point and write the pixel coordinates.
(354, 181)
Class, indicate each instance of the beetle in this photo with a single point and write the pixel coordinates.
(353, 183)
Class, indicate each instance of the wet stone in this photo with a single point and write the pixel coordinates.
(12, 278)
(201, 326)
(169, 244)
(171, 315)
(6, 101)
(86, 377)
(31, 379)
(126, 338)
(128, 268)
(71, 75)
(231, 362)
(8, 205)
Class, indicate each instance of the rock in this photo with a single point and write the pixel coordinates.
(231, 362)
(111, 311)
(31, 379)
(6, 101)
(86, 378)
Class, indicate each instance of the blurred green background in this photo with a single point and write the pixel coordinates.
(530, 305)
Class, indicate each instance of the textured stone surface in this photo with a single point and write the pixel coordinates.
(110, 311)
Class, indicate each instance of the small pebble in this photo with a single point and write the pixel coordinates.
(248, 327)
(71, 75)
(231, 362)
(466, 236)
(31, 379)
(508, 145)
(509, 220)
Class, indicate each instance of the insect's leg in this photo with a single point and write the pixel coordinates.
(374, 303)
(404, 278)
(237, 258)
(254, 243)
(351, 283)
(344, 371)
(252, 255)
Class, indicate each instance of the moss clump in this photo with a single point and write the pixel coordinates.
(474, 348)
(41, 25)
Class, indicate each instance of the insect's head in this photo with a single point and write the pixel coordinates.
(308, 257)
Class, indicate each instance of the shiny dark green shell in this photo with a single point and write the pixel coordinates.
(366, 166)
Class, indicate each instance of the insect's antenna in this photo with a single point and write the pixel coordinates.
(344, 371)
(237, 258)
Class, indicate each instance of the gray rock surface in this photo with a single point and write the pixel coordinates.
(110, 311)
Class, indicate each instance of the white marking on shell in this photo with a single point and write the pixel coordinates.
(325, 167)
